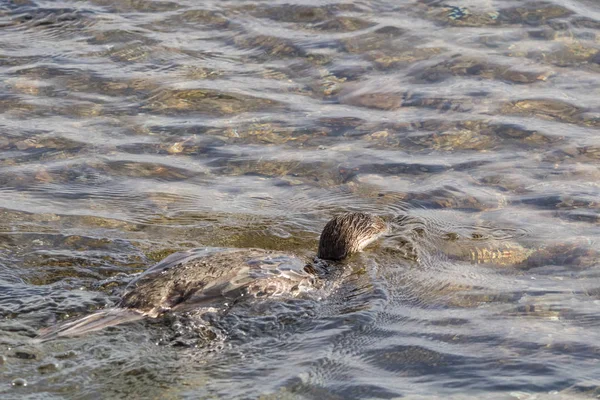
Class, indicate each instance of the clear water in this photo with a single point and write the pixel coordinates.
(132, 129)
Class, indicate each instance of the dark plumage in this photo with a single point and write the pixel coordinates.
(349, 233)
(203, 278)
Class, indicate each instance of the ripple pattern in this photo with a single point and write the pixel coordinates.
(131, 129)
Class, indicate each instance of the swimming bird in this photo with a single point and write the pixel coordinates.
(212, 277)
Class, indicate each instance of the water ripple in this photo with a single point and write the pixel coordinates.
(132, 129)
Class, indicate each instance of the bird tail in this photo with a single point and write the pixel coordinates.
(90, 323)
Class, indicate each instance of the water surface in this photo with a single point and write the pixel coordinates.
(131, 129)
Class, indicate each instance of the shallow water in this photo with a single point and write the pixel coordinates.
(133, 129)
